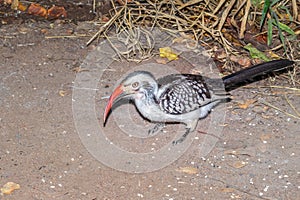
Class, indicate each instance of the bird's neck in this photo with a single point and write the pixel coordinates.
(147, 104)
(148, 97)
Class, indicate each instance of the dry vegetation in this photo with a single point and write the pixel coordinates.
(224, 27)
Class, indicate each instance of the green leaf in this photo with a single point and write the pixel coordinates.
(286, 28)
(270, 31)
(264, 13)
(274, 2)
(273, 14)
(255, 53)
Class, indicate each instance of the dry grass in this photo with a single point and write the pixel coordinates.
(219, 25)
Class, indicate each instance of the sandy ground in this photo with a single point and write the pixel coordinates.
(256, 156)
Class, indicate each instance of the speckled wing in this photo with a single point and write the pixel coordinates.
(182, 93)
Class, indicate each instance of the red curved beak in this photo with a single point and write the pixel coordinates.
(117, 92)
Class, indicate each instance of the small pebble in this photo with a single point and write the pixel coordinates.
(266, 188)
(140, 195)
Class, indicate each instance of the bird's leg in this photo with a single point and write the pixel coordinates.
(156, 128)
(191, 126)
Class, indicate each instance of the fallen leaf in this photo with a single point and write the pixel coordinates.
(9, 187)
(241, 60)
(44, 31)
(14, 5)
(62, 93)
(239, 164)
(185, 38)
(273, 55)
(167, 52)
(220, 54)
(22, 7)
(79, 69)
(265, 137)
(255, 53)
(227, 190)
(8, 1)
(56, 12)
(161, 61)
(37, 9)
(246, 103)
(265, 116)
(105, 18)
(188, 170)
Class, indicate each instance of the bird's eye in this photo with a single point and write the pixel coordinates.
(135, 84)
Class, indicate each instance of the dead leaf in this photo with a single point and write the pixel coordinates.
(62, 93)
(265, 137)
(9, 187)
(22, 7)
(246, 103)
(167, 52)
(188, 170)
(56, 12)
(243, 61)
(227, 190)
(161, 61)
(8, 1)
(265, 116)
(14, 5)
(44, 31)
(105, 18)
(273, 55)
(239, 164)
(79, 69)
(185, 38)
(37, 9)
(220, 54)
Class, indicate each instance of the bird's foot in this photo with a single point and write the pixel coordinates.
(156, 128)
(182, 138)
(178, 141)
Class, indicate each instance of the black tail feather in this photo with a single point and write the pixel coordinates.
(254, 73)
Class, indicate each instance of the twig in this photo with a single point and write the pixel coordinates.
(276, 108)
(106, 25)
(65, 36)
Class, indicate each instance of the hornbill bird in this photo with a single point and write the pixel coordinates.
(185, 98)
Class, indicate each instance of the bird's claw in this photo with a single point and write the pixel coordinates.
(156, 128)
(175, 142)
(182, 138)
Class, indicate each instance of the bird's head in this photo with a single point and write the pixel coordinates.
(137, 85)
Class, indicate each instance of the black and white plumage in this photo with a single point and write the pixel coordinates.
(184, 98)
(183, 94)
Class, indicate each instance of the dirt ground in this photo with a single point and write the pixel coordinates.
(256, 156)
